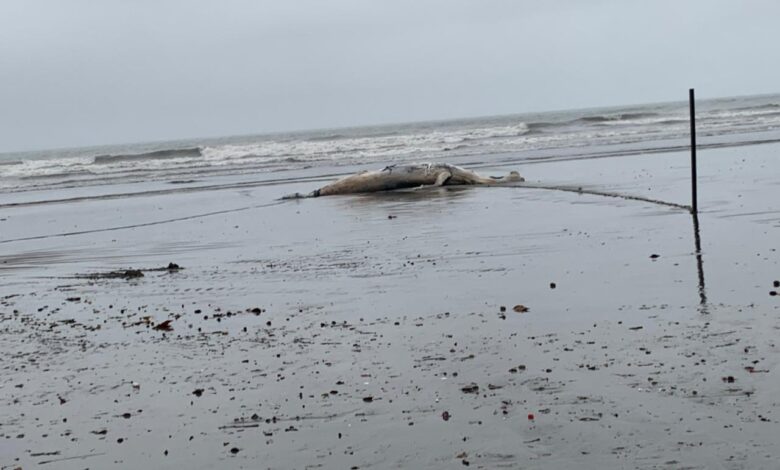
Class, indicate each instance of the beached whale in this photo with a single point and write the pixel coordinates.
(407, 176)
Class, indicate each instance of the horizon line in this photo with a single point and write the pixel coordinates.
(363, 126)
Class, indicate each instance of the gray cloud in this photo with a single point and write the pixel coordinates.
(87, 72)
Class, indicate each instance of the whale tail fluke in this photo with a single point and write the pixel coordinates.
(512, 177)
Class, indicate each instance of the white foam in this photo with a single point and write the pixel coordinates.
(356, 148)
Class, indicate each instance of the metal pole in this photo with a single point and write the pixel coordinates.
(694, 203)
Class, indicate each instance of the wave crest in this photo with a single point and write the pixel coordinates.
(192, 152)
(616, 117)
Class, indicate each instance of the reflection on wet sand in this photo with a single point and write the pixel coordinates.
(699, 263)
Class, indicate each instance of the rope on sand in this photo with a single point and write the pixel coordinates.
(580, 190)
(145, 224)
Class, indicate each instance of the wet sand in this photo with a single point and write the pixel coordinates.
(379, 331)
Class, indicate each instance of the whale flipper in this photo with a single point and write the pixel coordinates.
(442, 179)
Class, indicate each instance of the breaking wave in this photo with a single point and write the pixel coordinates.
(193, 152)
(616, 117)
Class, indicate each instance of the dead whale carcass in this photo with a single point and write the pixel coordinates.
(407, 176)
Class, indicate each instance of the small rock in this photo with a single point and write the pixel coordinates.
(198, 392)
(471, 388)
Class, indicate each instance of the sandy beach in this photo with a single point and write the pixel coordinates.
(485, 327)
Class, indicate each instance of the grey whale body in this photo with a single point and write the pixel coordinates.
(407, 176)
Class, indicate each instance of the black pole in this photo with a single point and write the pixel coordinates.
(694, 203)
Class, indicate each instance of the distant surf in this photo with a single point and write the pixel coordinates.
(528, 136)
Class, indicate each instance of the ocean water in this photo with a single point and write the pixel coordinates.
(522, 137)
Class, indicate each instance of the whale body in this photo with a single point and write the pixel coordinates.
(407, 176)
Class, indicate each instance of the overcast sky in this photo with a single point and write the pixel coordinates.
(79, 72)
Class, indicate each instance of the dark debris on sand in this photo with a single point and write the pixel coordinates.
(450, 382)
(130, 273)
